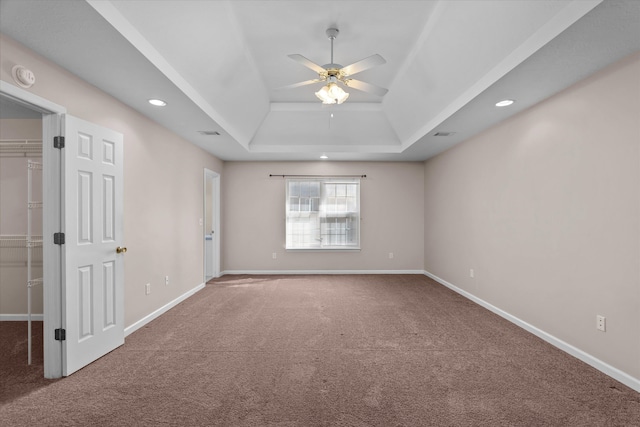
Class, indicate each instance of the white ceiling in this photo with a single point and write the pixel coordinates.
(220, 64)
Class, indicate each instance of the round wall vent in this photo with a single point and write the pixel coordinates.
(24, 77)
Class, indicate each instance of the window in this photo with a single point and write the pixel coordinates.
(323, 213)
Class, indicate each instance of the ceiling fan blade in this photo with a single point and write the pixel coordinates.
(304, 83)
(366, 87)
(307, 63)
(363, 64)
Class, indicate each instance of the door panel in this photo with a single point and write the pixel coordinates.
(93, 282)
(211, 224)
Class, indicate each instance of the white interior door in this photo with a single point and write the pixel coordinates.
(93, 274)
(208, 226)
(211, 224)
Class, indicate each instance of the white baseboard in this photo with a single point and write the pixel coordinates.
(302, 272)
(603, 367)
(140, 323)
(20, 317)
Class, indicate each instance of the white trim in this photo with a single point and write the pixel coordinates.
(318, 106)
(20, 317)
(302, 272)
(148, 318)
(51, 213)
(52, 169)
(603, 367)
(30, 100)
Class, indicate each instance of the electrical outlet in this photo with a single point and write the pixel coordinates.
(166, 280)
(147, 289)
(390, 255)
(274, 255)
(601, 323)
(472, 274)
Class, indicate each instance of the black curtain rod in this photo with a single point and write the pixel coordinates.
(318, 176)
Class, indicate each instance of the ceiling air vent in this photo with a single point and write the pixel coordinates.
(209, 132)
(443, 133)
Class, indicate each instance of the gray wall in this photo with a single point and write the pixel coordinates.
(163, 188)
(392, 203)
(545, 208)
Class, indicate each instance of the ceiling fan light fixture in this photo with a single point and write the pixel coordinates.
(332, 94)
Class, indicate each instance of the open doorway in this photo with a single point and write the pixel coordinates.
(211, 225)
(21, 237)
(49, 115)
(69, 221)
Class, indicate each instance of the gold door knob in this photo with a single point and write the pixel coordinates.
(120, 250)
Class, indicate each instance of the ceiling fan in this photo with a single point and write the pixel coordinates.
(333, 74)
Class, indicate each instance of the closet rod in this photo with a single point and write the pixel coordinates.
(318, 176)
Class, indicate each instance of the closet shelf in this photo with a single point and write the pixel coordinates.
(34, 282)
(17, 241)
(20, 147)
(34, 243)
(14, 251)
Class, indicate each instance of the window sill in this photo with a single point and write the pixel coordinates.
(322, 249)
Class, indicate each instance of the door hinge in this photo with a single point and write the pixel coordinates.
(58, 238)
(60, 334)
(58, 142)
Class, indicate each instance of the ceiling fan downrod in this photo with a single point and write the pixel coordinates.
(332, 33)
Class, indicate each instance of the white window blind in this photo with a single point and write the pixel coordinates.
(323, 213)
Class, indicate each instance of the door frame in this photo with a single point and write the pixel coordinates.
(51, 222)
(215, 206)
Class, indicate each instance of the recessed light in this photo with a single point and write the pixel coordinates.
(324, 157)
(157, 102)
(505, 103)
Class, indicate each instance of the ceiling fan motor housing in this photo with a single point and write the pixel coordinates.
(332, 33)
(334, 70)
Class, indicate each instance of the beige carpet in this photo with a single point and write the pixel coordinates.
(349, 350)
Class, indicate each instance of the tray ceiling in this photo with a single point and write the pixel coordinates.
(220, 64)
